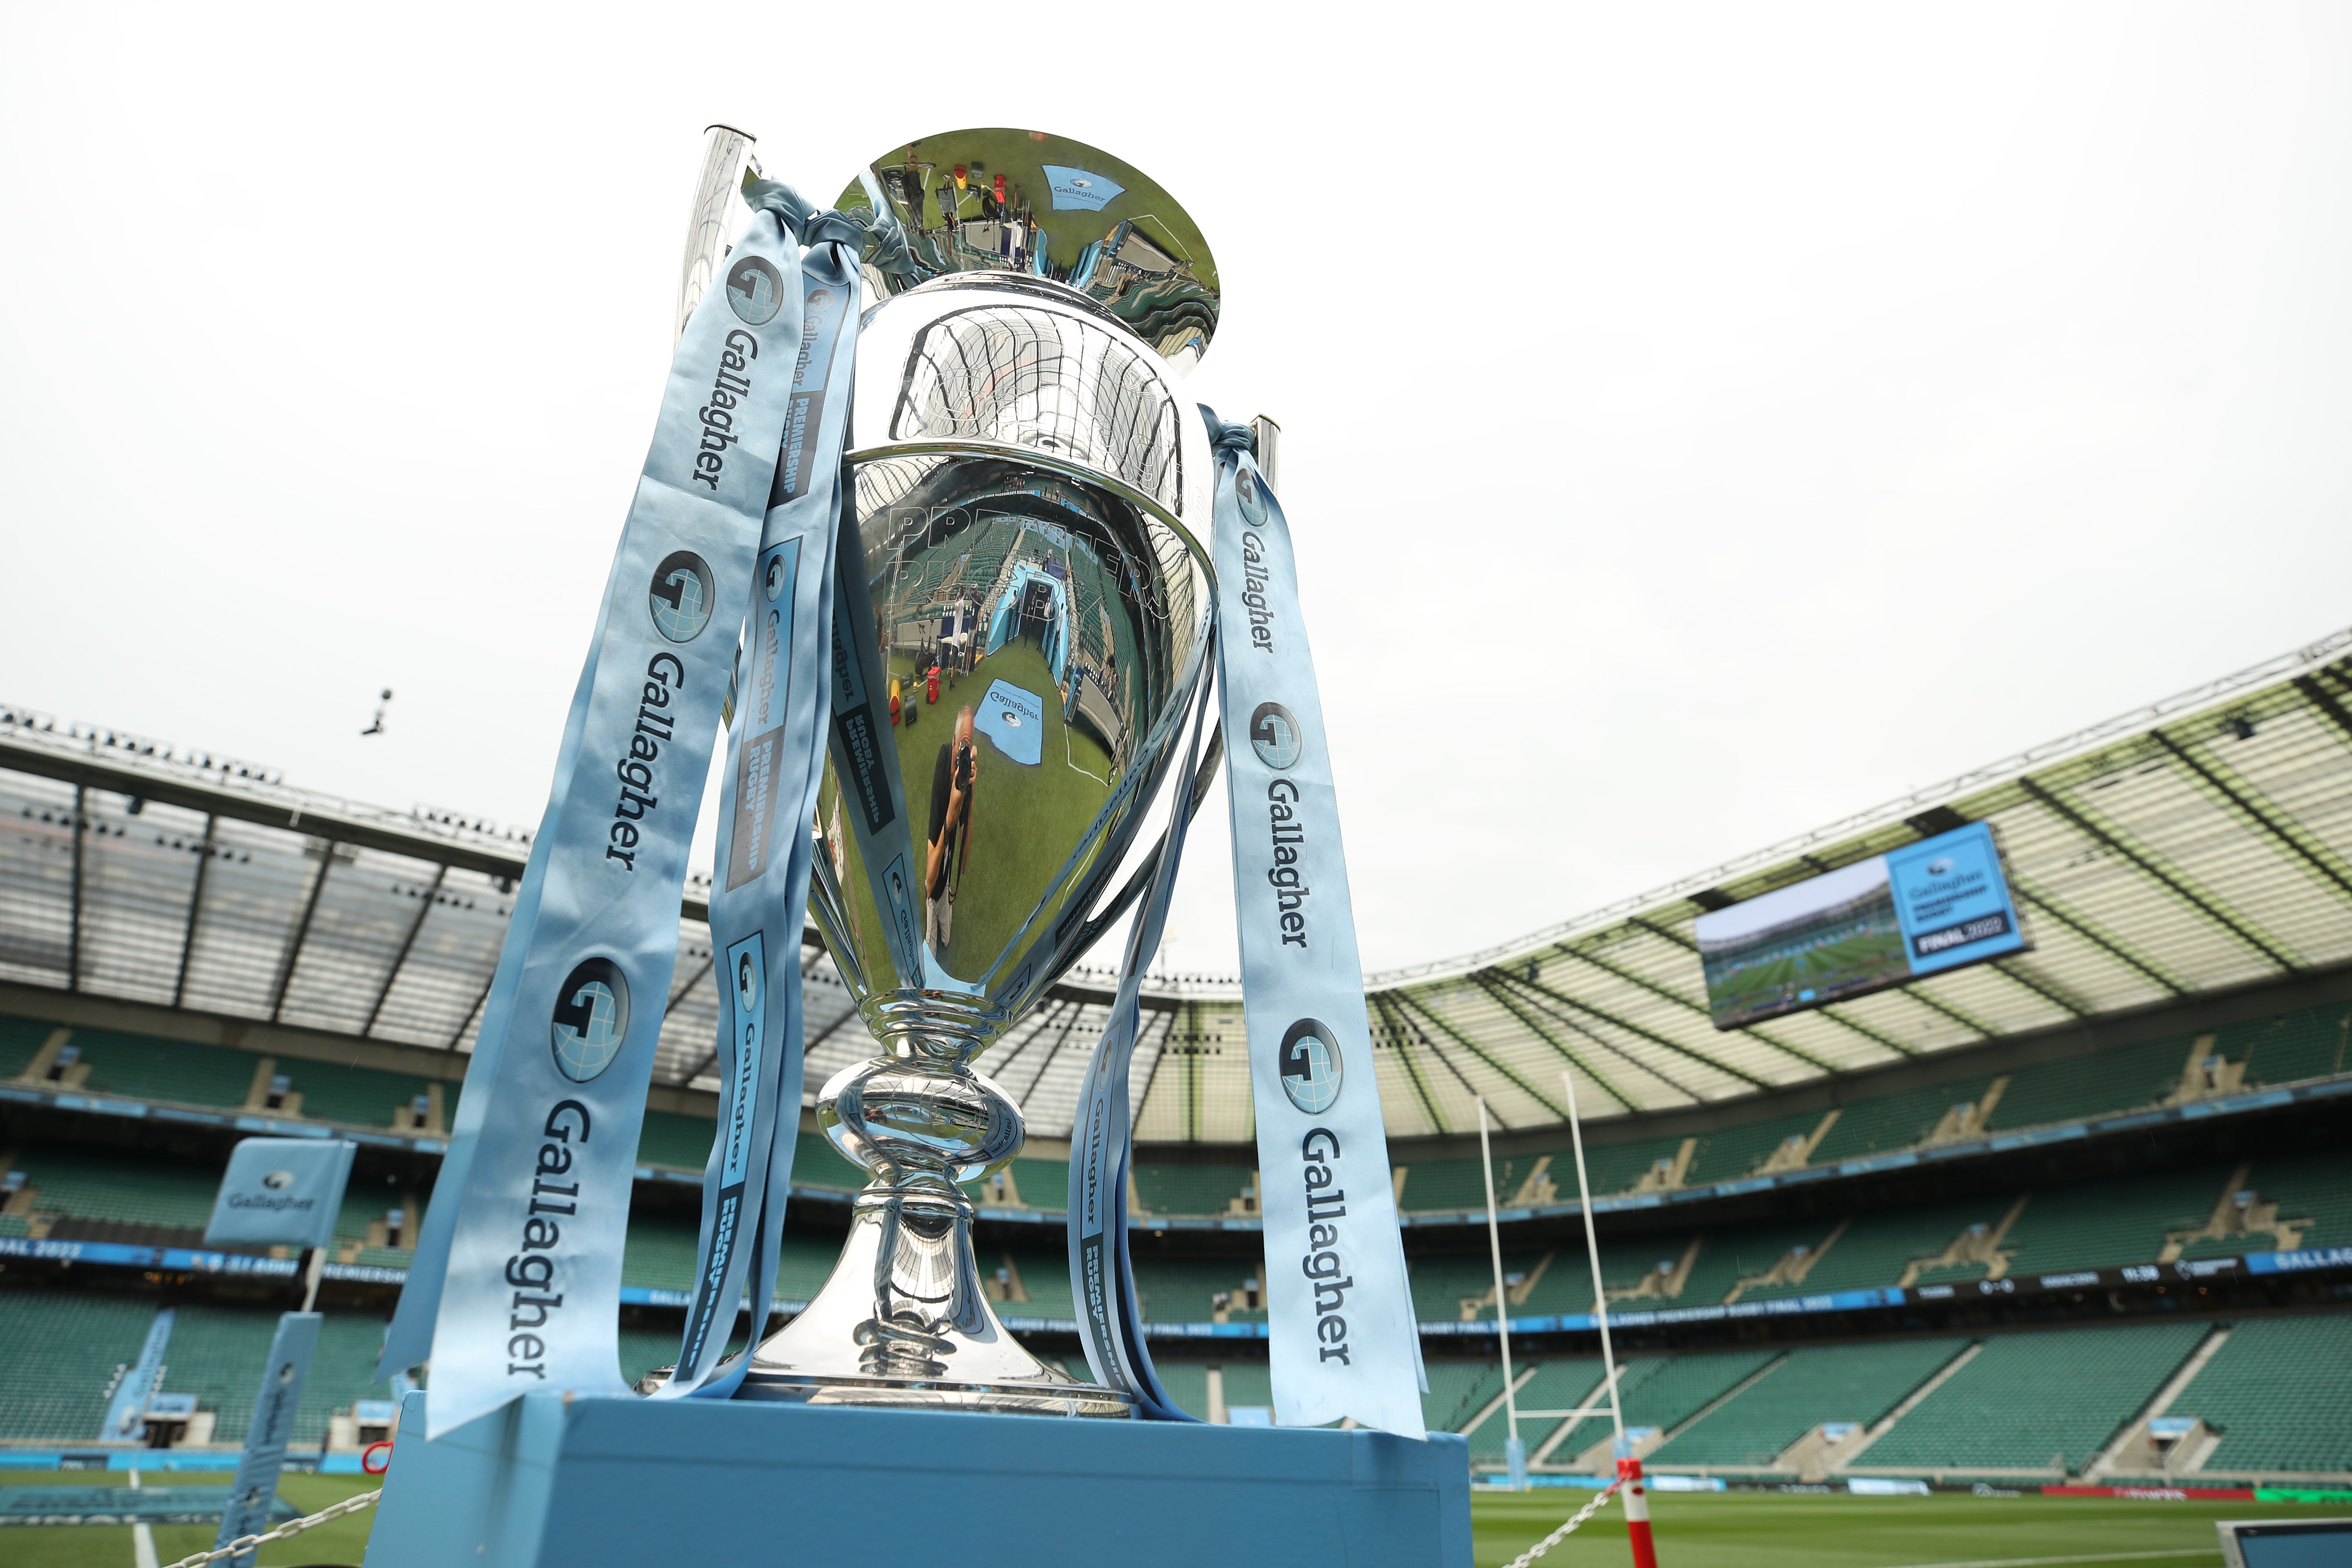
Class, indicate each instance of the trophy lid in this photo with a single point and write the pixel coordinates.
(1057, 210)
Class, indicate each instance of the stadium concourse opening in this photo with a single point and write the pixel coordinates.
(2076, 1217)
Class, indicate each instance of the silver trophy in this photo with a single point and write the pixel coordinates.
(1030, 495)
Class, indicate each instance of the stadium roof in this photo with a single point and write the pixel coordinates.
(2197, 844)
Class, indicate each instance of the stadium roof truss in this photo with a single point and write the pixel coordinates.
(2197, 844)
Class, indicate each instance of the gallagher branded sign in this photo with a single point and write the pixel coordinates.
(281, 1192)
(1926, 907)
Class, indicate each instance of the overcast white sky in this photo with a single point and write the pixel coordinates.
(1701, 422)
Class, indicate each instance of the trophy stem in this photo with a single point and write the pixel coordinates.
(904, 1321)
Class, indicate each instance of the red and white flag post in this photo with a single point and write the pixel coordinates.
(1637, 1512)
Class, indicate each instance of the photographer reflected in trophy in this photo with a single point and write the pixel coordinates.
(951, 840)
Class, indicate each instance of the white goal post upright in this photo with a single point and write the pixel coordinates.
(1592, 1253)
(1629, 1469)
(1514, 1451)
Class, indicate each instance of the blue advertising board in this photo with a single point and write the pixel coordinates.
(1952, 900)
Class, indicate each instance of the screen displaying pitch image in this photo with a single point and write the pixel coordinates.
(1935, 905)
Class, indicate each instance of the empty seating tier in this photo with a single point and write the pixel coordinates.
(1812, 1385)
(2280, 1393)
(2032, 1401)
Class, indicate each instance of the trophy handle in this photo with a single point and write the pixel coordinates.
(726, 152)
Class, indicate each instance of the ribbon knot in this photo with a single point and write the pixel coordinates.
(810, 226)
(1225, 437)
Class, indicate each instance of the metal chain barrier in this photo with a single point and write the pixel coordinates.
(286, 1531)
(1540, 1547)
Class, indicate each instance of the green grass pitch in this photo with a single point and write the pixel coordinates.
(1771, 1530)
(1839, 967)
(1726, 1530)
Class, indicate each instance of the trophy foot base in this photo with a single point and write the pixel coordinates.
(560, 1480)
(1067, 1399)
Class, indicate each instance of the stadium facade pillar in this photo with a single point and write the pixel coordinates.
(1637, 1513)
(587, 1483)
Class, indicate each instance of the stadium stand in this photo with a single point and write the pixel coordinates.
(1728, 1262)
(362, 1097)
(1560, 1384)
(659, 1252)
(1814, 1385)
(2032, 1401)
(2291, 1046)
(2280, 1203)
(2277, 1394)
(110, 1186)
(1877, 1249)
(1730, 1152)
(20, 1040)
(681, 1143)
(1248, 1383)
(216, 1352)
(1901, 1120)
(140, 1067)
(1187, 1383)
(2107, 1222)
(1458, 1390)
(1443, 1281)
(1660, 1391)
(183, 1072)
(1188, 1189)
(63, 1349)
(643, 1350)
(1183, 1290)
(1045, 1277)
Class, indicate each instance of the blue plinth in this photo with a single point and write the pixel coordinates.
(625, 1481)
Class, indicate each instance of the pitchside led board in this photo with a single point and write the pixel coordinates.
(1930, 906)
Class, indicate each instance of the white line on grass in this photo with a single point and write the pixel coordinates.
(2093, 1557)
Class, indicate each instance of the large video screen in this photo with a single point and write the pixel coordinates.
(1930, 906)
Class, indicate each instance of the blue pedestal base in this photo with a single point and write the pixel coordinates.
(593, 1482)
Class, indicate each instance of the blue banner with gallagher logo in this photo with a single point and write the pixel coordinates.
(1340, 1324)
(775, 762)
(255, 1489)
(528, 1259)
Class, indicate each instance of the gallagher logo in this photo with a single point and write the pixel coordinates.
(1310, 1065)
(592, 1019)
(755, 291)
(279, 1181)
(1253, 499)
(1941, 865)
(774, 582)
(680, 595)
(747, 984)
(1274, 736)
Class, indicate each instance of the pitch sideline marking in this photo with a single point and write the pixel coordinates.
(2094, 1557)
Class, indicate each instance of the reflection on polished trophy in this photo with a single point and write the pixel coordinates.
(1031, 499)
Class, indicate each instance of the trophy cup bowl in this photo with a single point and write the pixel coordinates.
(1028, 485)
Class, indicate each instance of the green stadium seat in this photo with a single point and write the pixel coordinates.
(63, 1348)
(1204, 1189)
(121, 1188)
(1663, 1392)
(2279, 1391)
(2027, 1398)
(1812, 1384)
